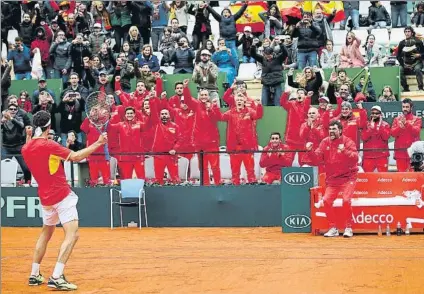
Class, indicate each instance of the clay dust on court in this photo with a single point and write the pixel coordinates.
(219, 260)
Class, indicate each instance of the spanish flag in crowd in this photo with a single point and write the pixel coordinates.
(293, 8)
(250, 17)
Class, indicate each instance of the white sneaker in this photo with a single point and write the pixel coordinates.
(333, 232)
(348, 233)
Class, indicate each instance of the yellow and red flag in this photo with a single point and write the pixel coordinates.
(293, 8)
(250, 17)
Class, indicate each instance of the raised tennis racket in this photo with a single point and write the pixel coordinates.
(98, 108)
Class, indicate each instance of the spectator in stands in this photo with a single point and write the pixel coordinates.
(21, 58)
(418, 19)
(84, 20)
(167, 46)
(406, 130)
(147, 77)
(69, 26)
(273, 22)
(60, 52)
(183, 57)
(208, 45)
(141, 12)
(73, 88)
(97, 38)
(70, 109)
(272, 74)
(72, 142)
(6, 81)
(159, 21)
(12, 99)
(202, 25)
(369, 89)
(120, 20)
(350, 55)
(79, 50)
(399, 10)
(387, 95)
(225, 61)
(46, 102)
(291, 48)
(296, 114)
(310, 80)
(24, 102)
(43, 45)
(351, 9)
(376, 136)
(207, 115)
(127, 71)
(106, 59)
(27, 30)
(313, 131)
(246, 40)
(146, 57)
(410, 55)
(241, 135)
(134, 40)
(100, 84)
(102, 16)
(227, 26)
(307, 45)
(329, 58)
(373, 52)
(205, 75)
(378, 17)
(324, 23)
(14, 137)
(176, 32)
(273, 159)
(352, 124)
(130, 55)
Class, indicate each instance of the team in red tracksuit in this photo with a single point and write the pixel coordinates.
(175, 101)
(97, 162)
(274, 161)
(166, 139)
(352, 124)
(136, 98)
(376, 136)
(130, 134)
(296, 115)
(206, 134)
(406, 130)
(149, 133)
(339, 155)
(312, 131)
(241, 136)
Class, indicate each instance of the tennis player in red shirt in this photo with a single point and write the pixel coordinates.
(43, 157)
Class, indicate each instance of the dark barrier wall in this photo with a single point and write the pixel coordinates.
(245, 206)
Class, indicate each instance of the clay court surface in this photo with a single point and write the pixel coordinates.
(219, 260)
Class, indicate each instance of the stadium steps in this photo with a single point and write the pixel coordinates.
(254, 88)
(414, 94)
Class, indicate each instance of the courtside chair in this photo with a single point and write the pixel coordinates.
(9, 171)
(130, 189)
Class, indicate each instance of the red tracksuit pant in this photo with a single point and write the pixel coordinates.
(293, 154)
(331, 193)
(99, 167)
(381, 164)
(270, 177)
(211, 160)
(163, 161)
(403, 164)
(249, 164)
(127, 167)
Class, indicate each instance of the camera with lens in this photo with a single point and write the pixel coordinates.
(416, 153)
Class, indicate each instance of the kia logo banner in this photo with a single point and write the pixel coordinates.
(297, 178)
(297, 221)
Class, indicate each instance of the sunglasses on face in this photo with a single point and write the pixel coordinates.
(375, 113)
(13, 109)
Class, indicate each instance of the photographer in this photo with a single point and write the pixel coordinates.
(416, 153)
(79, 50)
(46, 103)
(246, 40)
(183, 57)
(70, 110)
(21, 58)
(60, 52)
(52, 136)
(225, 61)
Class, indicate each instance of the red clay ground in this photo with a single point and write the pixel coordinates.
(220, 260)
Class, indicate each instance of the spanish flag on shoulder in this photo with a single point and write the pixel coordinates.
(250, 17)
(294, 8)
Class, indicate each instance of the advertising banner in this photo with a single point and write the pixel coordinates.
(295, 185)
(379, 199)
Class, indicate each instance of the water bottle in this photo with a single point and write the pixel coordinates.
(407, 229)
(388, 230)
(380, 233)
(398, 229)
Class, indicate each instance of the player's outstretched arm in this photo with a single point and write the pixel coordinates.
(84, 153)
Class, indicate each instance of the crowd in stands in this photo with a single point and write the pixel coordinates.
(101, 46)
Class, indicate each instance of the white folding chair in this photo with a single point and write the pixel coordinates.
(381, 36)
(396, 35)
(362, 35)
(130, 189)
(149, 167)
(183, 164)
(9, 172)
(194, 168)
(246, 72)
(339, 37)
(225, 166)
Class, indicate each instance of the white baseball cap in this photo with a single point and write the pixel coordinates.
(376, 107)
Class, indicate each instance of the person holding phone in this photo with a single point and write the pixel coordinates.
(72, 143)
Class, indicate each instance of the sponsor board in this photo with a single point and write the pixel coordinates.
(297, 221)
(297, 178)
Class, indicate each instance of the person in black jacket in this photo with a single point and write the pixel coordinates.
(14, 137)
(202, 25)
(79, 50)
(272, 73)
(308, 33)
(6, 81)
(140, 17)
(378, 17)
(70, 110)
(399, 10)
(310, 80)
(27, 30)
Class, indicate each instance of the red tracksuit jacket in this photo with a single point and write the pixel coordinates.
(241, 128)
(296, 115)
(340, 166)
(404, 137)
(185, 122)
(92, 136)
(352, 125)
(273, 162)
(376, 137)
(314, 134)
(206, 134)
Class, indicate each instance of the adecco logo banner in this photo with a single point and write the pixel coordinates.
(297, 178)
(297, 221)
